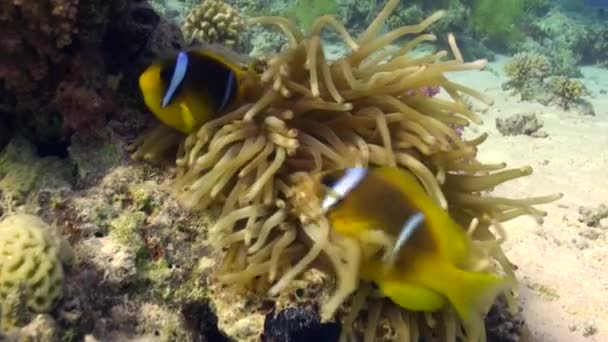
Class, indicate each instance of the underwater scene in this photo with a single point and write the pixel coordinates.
(304, 170)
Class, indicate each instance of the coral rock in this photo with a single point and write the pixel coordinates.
(519, 124)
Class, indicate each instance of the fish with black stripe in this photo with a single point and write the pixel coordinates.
(193, 86)
(424, 267)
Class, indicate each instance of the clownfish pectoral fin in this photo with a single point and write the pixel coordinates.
(228, 90)
(179, 72)
(413, 223)
(187, 117)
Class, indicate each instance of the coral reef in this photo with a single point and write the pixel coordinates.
(570, 39)
(306, 11)
(496, 22)
(54, 79)
(135, 253)
(532, 76)
(213, 21)
(308, 115)
(32, 265)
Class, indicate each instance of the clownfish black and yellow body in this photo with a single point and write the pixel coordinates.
(191, 87)
(425, 264)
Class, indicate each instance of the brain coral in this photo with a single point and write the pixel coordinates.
(29, 257)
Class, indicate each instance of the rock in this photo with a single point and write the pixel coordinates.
(582, 107)
(592, 216)
(115, 259)
(42, 328)
(520, 124)
(589, 329)
(591, 234)
(298, 324)
(202, 322)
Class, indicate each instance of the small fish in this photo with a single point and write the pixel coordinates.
(191, 87)
(423, 269)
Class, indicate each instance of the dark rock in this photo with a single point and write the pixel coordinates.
(202, 322)
(5, 130)
(127, 36)
(298, 324)
(582, 107)
(592, 217)
(504, 326)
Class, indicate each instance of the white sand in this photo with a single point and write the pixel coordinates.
(564, 285)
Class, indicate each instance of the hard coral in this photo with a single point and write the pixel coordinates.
(528, 66)
(307, 115)
(31, 260)
(526, 72)
(213, 21)
(566, 91)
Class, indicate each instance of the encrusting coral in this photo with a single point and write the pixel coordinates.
(309, 115)
(213, 21)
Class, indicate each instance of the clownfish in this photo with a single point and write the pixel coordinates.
(423, 269)
(191, 87)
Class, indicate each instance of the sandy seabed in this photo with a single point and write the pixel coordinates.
(563, 275)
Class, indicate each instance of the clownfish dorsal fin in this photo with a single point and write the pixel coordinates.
(410, 226)
(179, 73)
(352, 177)
(228, 90)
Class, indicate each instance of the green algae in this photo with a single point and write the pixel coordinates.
(93, 155)
(19, 170)
(142, 195)
(128, 229)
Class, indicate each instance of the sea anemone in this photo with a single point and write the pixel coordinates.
(310, 115)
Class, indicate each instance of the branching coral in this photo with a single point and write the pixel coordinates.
(527, 66)
(526, 72)
(213, 21)
(311, 115)
(566, 90)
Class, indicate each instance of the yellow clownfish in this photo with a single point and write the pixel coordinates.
(423, 269)
(189, 88)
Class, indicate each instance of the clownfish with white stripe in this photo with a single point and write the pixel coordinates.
(193, 86)
(424, 266)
